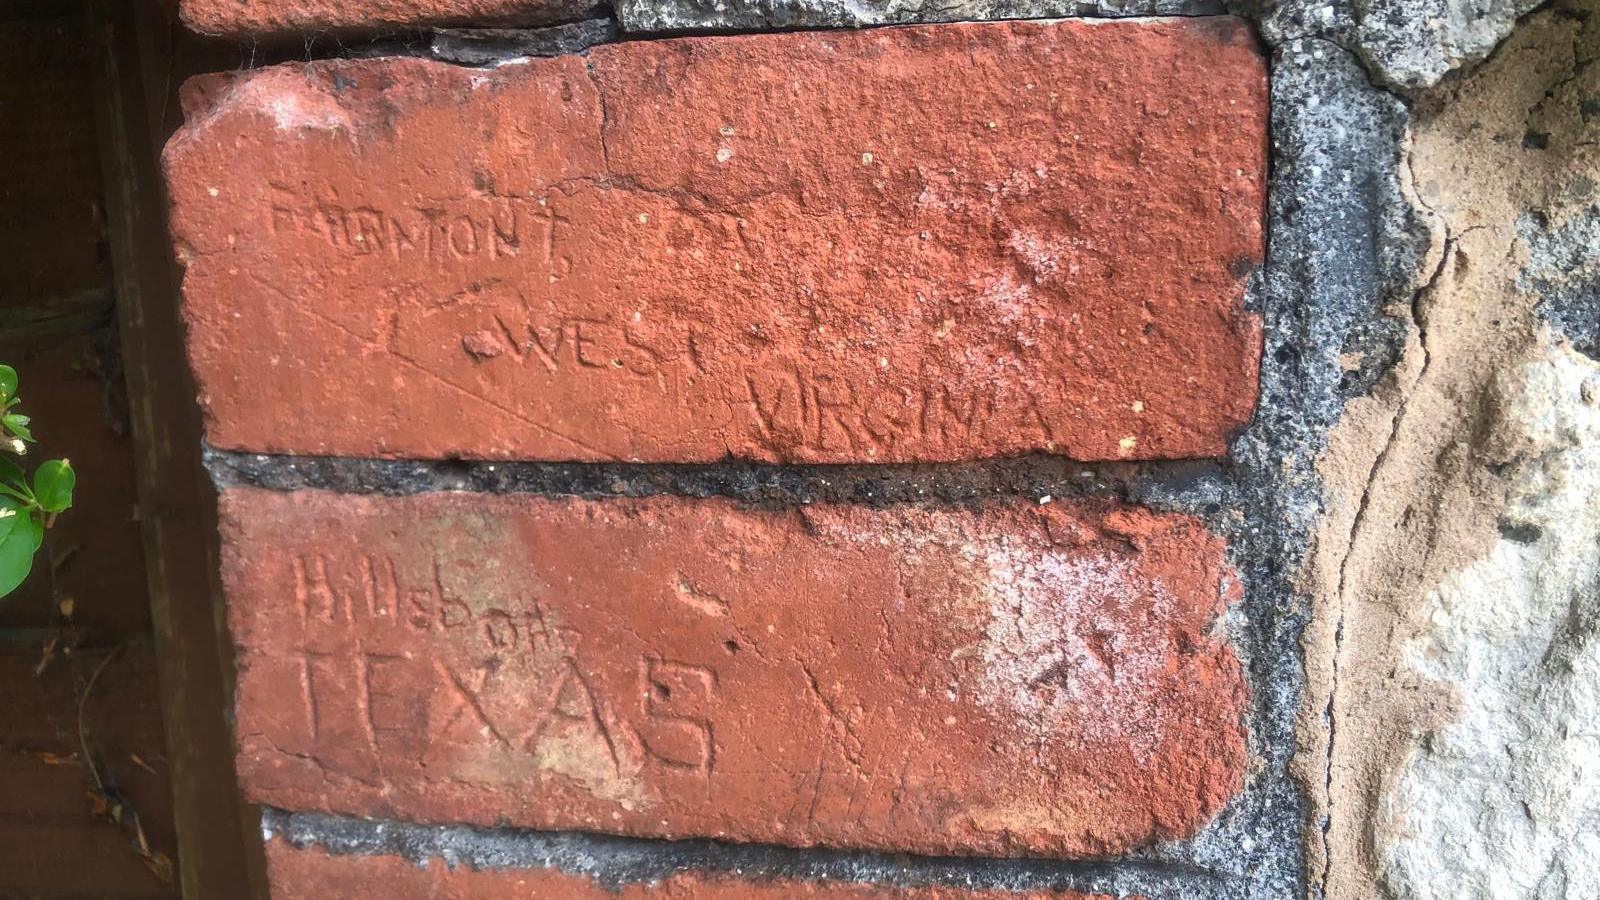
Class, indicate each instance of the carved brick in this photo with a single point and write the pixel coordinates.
(1015, 679)
(911, 244)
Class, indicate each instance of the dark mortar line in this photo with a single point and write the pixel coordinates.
(261, 52)
(416, 43)
(1195, 486)
(309, 44)
(1215, 9)
(614, 861)
(489, 47)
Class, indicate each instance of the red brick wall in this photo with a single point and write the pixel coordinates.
(934, 247)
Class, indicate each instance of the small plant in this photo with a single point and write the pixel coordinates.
(27, 508)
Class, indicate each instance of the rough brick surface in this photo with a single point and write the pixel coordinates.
(1018, 679)
(254, 17)
(907, 244)
(312, 874)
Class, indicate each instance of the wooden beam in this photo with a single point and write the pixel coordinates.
(219, 837)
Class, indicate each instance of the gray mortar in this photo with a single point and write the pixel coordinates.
(1343, 246)
(1408, 45)
(686, 16)
(1564, 271)
(487, 46)
(1033, 478)
(616, 861)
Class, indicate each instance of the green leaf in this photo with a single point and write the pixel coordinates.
(18, 425)
(8, 383)
(52, 485)
(20, 536)
(12, 476)
(11, 512)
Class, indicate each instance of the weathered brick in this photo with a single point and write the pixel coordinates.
(1005, 680)
(311, 874)
(905, 244)
(255, 17)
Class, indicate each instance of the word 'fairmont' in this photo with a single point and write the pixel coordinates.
(487, 228)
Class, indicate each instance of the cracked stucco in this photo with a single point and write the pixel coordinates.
(1412, 748)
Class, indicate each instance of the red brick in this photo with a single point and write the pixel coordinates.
(312, 874)
(251, 17)
(905, 244)
(1013, 680)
